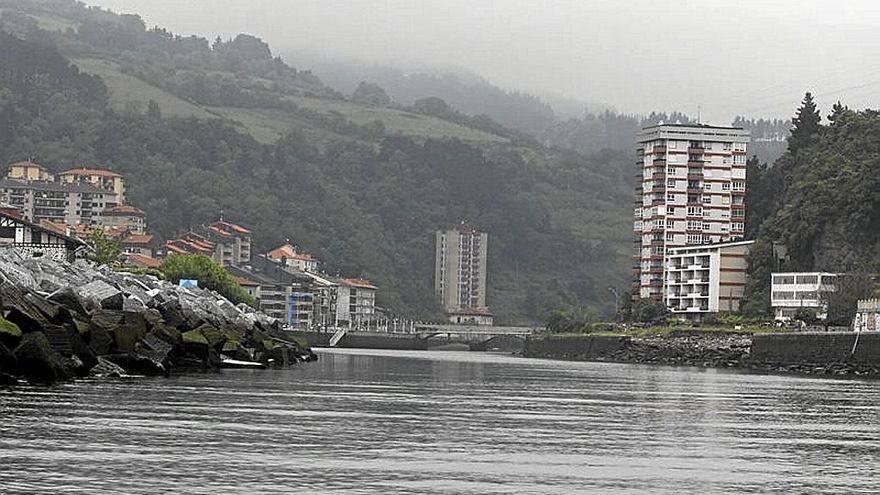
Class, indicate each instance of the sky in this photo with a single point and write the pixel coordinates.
(722, 58)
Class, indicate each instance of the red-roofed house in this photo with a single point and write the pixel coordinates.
(142, 261)
(144, 244)
(233, 243)
(126, 216)
(289, 256)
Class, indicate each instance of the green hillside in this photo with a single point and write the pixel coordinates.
(198, 127)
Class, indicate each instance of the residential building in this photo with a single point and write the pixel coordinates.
(292, 257)
(29, 171)
(800, 291)
(706, 279)
(35, 241)
(126, 216)
(226, 243)
(233, 242)
(100, 178)
(460, 268)
(325, 294)
(691, 186)
(71, 204)
(143, 244)
(356, 303)
(471, 316)
(281, 293)
(867, 316)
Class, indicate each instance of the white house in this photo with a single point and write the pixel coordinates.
(797, 291)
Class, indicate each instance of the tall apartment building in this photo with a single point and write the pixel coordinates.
(460, 268)
(98, 177)
(691, 186)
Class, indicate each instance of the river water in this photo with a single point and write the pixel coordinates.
(389, 422)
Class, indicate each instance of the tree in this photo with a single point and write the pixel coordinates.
(107, 249)
(837, 111)
(805, 125)
(209, 274)
(843, 300)
(371, 94)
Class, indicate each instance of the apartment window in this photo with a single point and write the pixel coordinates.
(670, 197)
(725, 186)
(672, 144)
(807, 279)
(694, 225)
(783, 279)
(707, 187)
(695, 210)
(670, 236)
(737, 213)
(670, 182)
(694, 238)
(707, 146)
(707, 198)
(707, 226)
(728, 146)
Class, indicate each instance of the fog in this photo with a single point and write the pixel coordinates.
(750, 57)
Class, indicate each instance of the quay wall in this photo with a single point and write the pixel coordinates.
(574, 346)
(366, 340)
(817, 348)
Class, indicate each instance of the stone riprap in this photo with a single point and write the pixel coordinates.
(65, 320)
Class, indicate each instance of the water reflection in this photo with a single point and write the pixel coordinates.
(422, 422)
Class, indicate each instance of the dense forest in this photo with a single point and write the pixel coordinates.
(364, 196)
(818, 207)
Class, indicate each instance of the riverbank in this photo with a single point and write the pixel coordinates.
(837, 353)
(61, 320)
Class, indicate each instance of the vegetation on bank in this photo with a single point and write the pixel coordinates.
(209, 274)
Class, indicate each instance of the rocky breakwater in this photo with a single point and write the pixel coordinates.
(65, 320)
(697, 349)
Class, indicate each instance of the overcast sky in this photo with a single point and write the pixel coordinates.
(752, 57)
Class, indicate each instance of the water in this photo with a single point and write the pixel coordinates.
(432, 422)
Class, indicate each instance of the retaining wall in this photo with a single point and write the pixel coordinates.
(571, 346)
(817, 348)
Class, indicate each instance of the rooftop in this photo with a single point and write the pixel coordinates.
(140, 239)
(358, 282)
(230, 227)
(52, 186)
(143, 261)
(39, 228)
(289, 252)
(100, 172)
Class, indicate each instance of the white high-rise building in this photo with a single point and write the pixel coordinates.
(692, 183)
(460, 268)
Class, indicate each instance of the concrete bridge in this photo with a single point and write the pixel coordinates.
(424, 336)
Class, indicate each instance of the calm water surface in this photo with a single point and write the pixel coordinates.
(433, 422)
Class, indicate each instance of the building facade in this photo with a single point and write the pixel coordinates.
(70, 204)
(34, 241)
(100, 178)
(355, 303)
(691, 187)
(706, 279)
(867, 316)
(460, 268)
(292, 257)
(791, 293)
(125, 216)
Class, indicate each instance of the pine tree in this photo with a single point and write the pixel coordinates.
(837, 111)
(805, 125)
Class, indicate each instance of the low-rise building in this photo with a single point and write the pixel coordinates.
(867, 316)
(71, 204)
(795, 292)
(472, 316)
(143, 244)
(33, 240)
(282, 293)
(107, 180)
(706, 279)
(292, 257)
(125, 216)
(356, 302)
(232, 243)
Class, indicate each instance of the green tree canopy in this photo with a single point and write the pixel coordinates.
(805, 125)
(209, 274)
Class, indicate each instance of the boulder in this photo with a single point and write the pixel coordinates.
(132, 329)
(38, 362)
(102, 294)
(107, 368)
(152, 316)
(99, 341)
(8, 362)
(10, 334)
(70, 300)
(213, 335)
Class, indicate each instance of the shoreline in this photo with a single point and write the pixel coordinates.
(807, 354)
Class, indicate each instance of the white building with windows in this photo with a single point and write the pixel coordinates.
(706, 279)
(692, 183)
(460, 270)
(793, 292)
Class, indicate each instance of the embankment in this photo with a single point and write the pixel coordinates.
(808, 353)
(65, 320)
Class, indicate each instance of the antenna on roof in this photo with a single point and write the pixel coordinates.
(699, 114)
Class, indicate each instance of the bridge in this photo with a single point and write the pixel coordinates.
(470, 332)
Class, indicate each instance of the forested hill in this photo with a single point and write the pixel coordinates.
(821, 201)
(198, 127)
